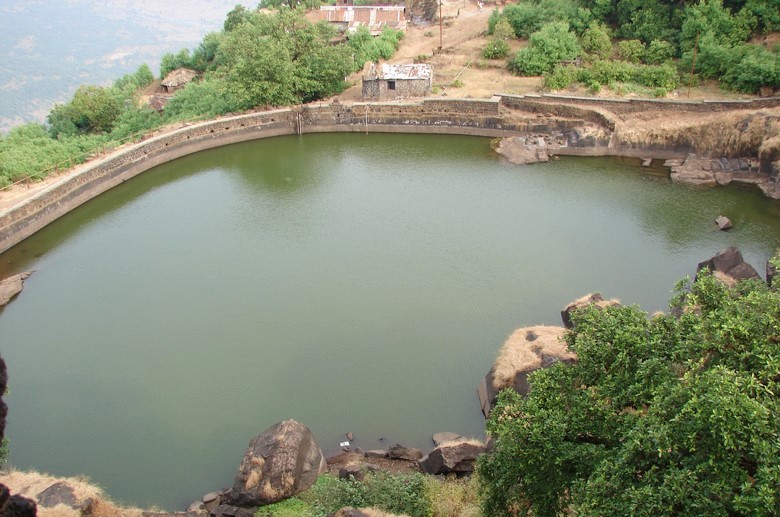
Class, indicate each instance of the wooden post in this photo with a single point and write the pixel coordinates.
(440, 26)
(693, 63)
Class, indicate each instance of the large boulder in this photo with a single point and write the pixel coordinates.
(525, 351)
(456, 456)
(11, 286)
(729, 262)
(522, 151)
(592, 299)
(279, 463)
(401, 452)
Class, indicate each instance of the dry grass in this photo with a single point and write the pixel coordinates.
(454, 497)
(30, 484)
(736, 133)
(523, 351)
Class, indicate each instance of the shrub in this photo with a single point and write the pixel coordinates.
(632, 51)
(457, 83)
(595, 40)
(562, 76)
(658, 52)
(496, 49)
(657, 76)
(659, 416)
(292, 507)
(551, 44)
(495, 16)
(754, 68)
(402, 494)
(606, 72)
(503, 30)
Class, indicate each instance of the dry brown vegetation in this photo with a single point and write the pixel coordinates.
(523, 351)
(30, 484)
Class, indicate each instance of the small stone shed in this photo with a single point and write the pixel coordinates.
(177, 79)
(397, 81)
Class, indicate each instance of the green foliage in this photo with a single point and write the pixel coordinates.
(401, 494)
(129, 83)
(209, 97)
(527, 17)
(204, 57)
(92, 109)
(238, 15)
(596, 41)
(496, 49)
(742, 68)
(368, 48)
(711, 18)
(658, 52)
(292, 507)
(135, 120)
(659, 416)
(551, 44)
(170, 62)
(503, 30)
(4, 452)
(493, 20)
(632, 51)
(646, 20)
(562, 76)
(28, 150)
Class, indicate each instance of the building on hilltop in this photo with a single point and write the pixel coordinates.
(177, 79)
(397, 81)
(348, 18)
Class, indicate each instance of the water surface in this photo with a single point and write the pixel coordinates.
(355, 283)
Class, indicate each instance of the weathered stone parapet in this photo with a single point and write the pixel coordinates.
(625, 106)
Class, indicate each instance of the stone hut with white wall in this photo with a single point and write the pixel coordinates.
(387, 82)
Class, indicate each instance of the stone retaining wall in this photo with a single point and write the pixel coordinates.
(624, 106)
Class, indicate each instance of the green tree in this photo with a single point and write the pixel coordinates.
(238, 15)
(94, 108)
(659, 416)
(258, 69)
(596, 41)
(551, 44)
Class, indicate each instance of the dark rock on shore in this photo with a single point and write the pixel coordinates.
(729, 263)
(279, 463)
(399, 452)
(457, 456)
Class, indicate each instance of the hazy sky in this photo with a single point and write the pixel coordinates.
(50, 47)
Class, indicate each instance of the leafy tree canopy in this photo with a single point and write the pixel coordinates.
(659, 416)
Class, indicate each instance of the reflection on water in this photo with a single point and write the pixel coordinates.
(353, 282)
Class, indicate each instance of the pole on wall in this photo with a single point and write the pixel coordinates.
(440, 26)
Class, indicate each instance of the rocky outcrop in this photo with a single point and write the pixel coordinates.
(592, 299)
(400, 452)
(11, 505)
(709, 172)
(729, 266)
(11, 286)
(279, 463)
(521, 150)
(440, 438)
(525, 351)
(456, 456)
